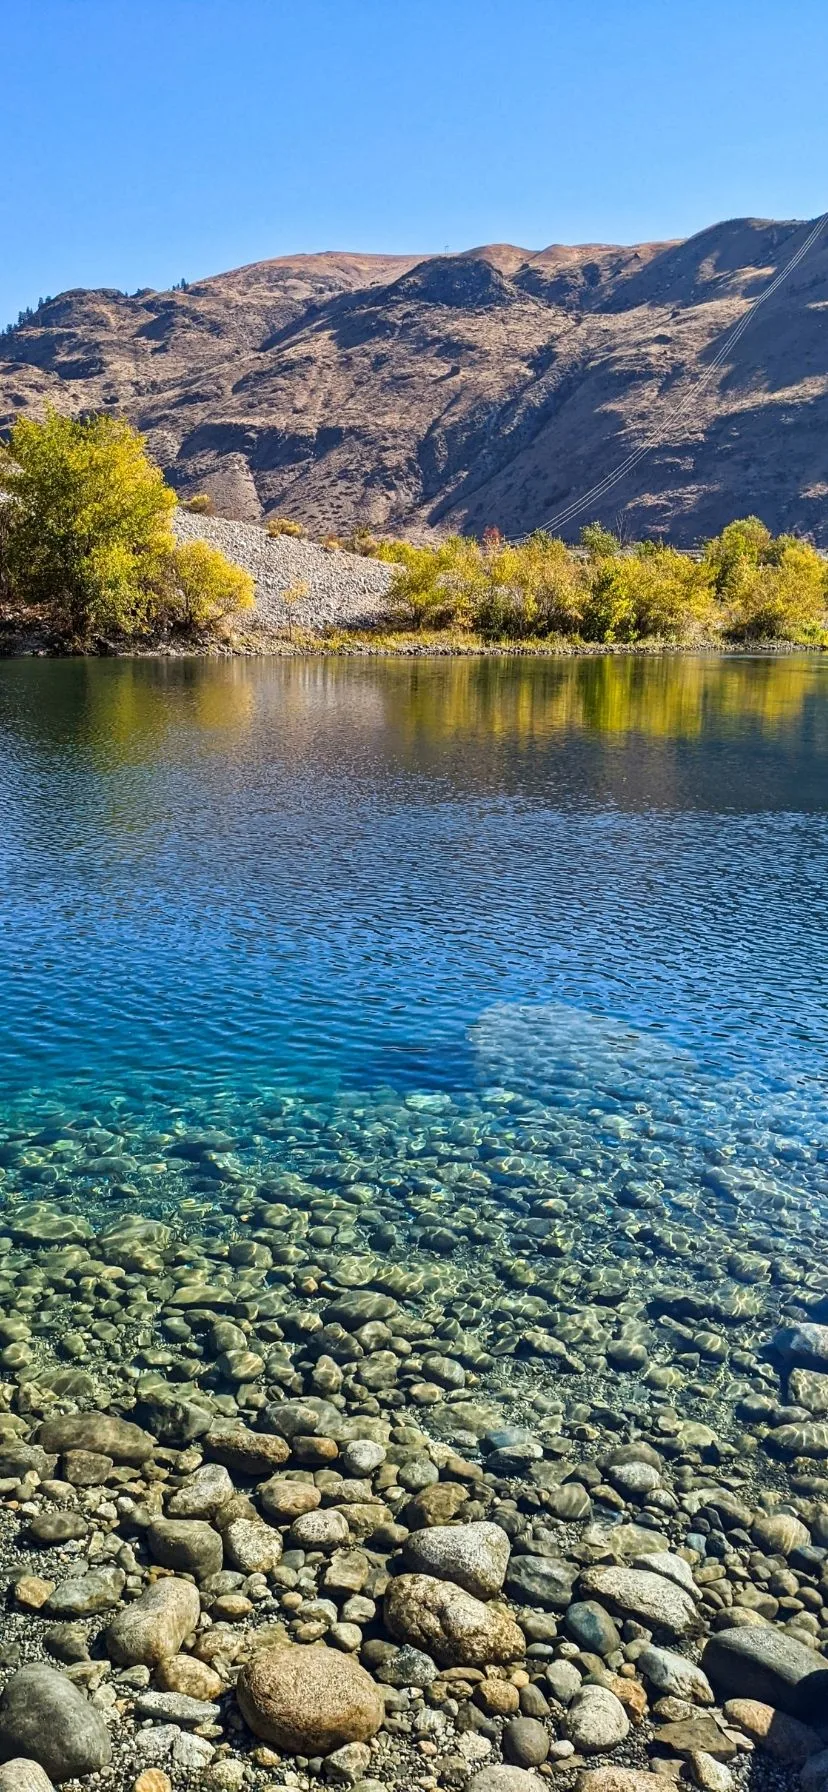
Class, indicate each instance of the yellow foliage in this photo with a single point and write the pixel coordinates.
(204, 588)
(86, 535)
(747, 585)
(282, 525)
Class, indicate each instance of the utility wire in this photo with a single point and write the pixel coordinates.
(570, 511)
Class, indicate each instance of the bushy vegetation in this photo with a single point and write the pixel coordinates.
(283, 525)
(199, 504)
(747, 585)
(86, 543)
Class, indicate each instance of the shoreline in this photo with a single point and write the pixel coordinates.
(408, 646)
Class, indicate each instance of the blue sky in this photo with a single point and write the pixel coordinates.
(144, 140)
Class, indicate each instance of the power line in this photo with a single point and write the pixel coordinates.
(570, 511)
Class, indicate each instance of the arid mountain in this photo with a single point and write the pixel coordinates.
(451, 392)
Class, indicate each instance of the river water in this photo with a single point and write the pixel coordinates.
(510, 972)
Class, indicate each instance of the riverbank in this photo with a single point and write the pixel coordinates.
(315, 601)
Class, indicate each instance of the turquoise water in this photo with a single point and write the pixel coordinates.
(430, 910)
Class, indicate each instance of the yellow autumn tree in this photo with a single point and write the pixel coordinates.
(86, 534)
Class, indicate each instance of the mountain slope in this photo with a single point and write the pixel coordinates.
(491, 387)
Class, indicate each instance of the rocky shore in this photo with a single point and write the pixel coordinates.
(330, 589)
(420, 1442)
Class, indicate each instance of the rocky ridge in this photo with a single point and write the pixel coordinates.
(416, 394)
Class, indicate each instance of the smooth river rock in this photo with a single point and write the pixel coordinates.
(153, 1629)
(474, 1556)
(450, 1624)
(21, 1775)
(308, 1700)
(674, 1676)
(100, 1432)
(186, 1544)
(45, 1718)
(761, 1662)
(652, 1599)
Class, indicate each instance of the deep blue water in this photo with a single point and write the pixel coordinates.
(219, 879)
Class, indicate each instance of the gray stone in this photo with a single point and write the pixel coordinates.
(407, 1667)
(674, 1676)
(203, 1493)
(506, 1779)
(50, 1528)
(474, 1556)
(650, 1598)
(347, 1764)
(525, 1742)
(46, 1719)
(21, 1775)
(176, 1708)
(361, 1456)
(761, 1662)
(814, 1775)
(186, 1544)
(805, 1345)
(153, 1629)
(563, 1680)
(541, 1580)
(596, 1720)
(591, 1627)
(324, 1530)
(252, 1546)
(98, 1591)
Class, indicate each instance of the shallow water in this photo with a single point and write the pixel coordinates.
(459, 936)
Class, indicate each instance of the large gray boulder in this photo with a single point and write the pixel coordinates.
(761, 1662)
(46, 1719)
(649, 1598)
(474, 1556)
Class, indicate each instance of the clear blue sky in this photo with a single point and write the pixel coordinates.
(144, 140)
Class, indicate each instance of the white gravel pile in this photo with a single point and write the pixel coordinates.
(343, 590)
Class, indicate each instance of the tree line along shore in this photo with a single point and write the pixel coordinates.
(96, 553)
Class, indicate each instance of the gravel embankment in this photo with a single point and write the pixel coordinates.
(343, 590)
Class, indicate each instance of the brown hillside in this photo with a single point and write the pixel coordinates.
(458, 391)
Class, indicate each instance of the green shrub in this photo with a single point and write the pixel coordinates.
(200, 504)
(86, 537)
(282, 525)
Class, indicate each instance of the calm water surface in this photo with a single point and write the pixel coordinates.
(598, 885)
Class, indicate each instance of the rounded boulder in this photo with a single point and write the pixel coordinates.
(308, 1700)
(46, 1719)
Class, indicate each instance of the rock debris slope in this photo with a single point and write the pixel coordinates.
(451, 392)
